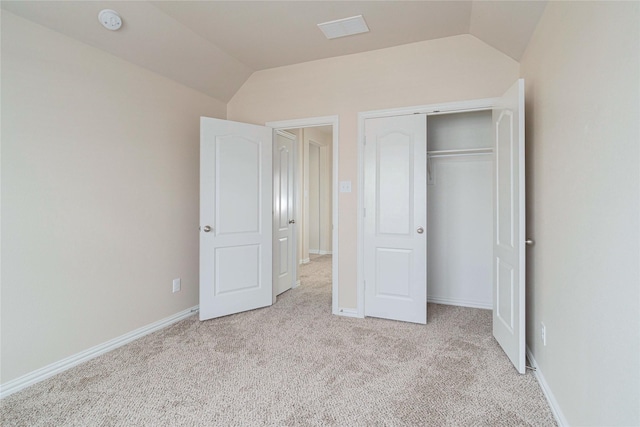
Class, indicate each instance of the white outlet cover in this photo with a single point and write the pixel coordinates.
(176, 284)
(345, 186)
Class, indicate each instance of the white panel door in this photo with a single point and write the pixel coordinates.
(284, 212)
(509, 226)
(395, 222)
(235, 217)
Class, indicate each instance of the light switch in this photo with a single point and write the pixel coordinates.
(345, 186)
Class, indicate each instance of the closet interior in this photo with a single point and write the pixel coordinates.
(460, 208)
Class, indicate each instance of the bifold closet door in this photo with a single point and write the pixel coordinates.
(395, 222)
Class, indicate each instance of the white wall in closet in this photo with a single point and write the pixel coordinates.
(460, 209)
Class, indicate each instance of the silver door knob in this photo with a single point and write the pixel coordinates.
(292, 221)
(206, 228)
(529, 242)
(420, 230)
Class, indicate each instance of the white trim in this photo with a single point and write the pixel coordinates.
(546, 390)
(295, 285)
(319, 252)
(429, 109)
(48, 371)
(303, 123)
(305, 261)
(348, 312)
(461, 302)
(433, 109)
(286, 134)
(360, 220)
(333, 121)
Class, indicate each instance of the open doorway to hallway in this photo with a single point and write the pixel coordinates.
(314, 202)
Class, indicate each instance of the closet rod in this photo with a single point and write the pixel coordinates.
(467, 152)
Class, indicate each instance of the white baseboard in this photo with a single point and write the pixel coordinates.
(553, 403)
(347, 312)
(319, 252)
(304, 261)
(460, 302)
(296, 284)
(48, 371)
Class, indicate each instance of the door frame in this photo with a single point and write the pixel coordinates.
(429, 109)
(333, 121)
(306, 220)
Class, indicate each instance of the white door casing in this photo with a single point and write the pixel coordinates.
(235, 217)
(334, 122)
(395, 218)
(284, 221)
(509, 226)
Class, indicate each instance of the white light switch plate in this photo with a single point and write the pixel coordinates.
(345, 186)
(177, 284)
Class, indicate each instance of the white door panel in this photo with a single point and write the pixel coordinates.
(509, 226)
(235, 217)
(284, 211)
(395, 218)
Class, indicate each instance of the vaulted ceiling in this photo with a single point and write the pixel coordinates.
(214, 46)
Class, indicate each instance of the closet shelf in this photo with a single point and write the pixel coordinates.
(465, 152)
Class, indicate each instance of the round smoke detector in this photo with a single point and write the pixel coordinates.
(110, 19)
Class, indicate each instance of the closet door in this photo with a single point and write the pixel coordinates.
(395, 222)
(509, 226)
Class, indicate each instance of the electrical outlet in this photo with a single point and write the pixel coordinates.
(543, 334)
(176, 284)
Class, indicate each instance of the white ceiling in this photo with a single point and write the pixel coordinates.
(214, 46)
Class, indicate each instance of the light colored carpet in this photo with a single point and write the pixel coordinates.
(295, 364)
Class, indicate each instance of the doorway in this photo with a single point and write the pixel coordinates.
(392, 217)
(316, 201)
(313, 206)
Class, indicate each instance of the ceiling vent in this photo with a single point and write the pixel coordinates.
(344, 27)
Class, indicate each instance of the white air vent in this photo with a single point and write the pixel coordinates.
(344, 27)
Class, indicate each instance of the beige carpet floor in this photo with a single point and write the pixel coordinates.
(295, 364)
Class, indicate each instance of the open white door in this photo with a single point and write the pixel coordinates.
(284, 212)
(235, 217)
(509, 226)
(395, 222)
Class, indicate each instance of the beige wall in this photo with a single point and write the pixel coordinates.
(99, 196)
(582, 71)
(449, 69)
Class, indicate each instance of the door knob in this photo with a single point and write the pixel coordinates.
(420, 230)
(206, 228)
(529, 242)
(292, 221)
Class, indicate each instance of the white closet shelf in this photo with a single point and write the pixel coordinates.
(464, 152)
